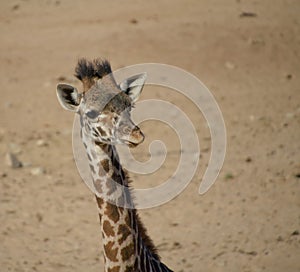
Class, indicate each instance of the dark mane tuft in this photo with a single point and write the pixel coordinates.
(90, 69)
(84, 69)
(101, 68)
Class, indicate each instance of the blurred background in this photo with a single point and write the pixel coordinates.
(245, 52)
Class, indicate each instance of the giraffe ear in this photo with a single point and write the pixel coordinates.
(68, 97)
(133, 86)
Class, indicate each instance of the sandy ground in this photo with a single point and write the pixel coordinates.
(248, 221)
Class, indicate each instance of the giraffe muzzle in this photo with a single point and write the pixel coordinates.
(134, 137)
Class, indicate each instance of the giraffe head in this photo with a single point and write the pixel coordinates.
(104, 106)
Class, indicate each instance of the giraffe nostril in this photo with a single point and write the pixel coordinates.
(127, 130)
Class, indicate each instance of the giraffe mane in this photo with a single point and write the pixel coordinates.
(141, 228)
(86, 69)
(145, 237)
(127, 182)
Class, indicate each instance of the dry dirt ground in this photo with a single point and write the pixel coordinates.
(246, 52)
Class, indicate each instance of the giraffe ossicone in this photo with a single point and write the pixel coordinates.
(104, 111)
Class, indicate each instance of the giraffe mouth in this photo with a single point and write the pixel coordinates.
(131, 144)
(135, 138)
(133, 141)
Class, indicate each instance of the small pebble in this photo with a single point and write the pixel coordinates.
(133, 21)
(8, 104)
(61, 78)
(37, 171)
(41, 142)
(3, 175)
(12, 161)
(289, 115)
(248, 159)
(15, 7)
(229, 176)
(248, 14)
(229, 65)
(279, 239)
(176, 245)
(39, 217)
(256, 41)
(26, 164)
(251, 118)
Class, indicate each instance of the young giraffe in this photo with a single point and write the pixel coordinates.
(104, 109)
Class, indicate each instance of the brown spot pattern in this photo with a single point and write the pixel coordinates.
(111, 253)
(108, 229)
(112, 212)
(100, 202)
(98, 187)
(129, 269)
(128, 220)
(124, 231)
(114, 269)
(101, 131)
(127, 252)
(105, 165)
(111, 185)
(101, 171)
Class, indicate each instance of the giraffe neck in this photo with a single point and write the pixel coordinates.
(126, 244)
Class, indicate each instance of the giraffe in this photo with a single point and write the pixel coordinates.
(104, 110)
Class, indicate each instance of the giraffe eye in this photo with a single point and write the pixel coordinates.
(92, 114)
